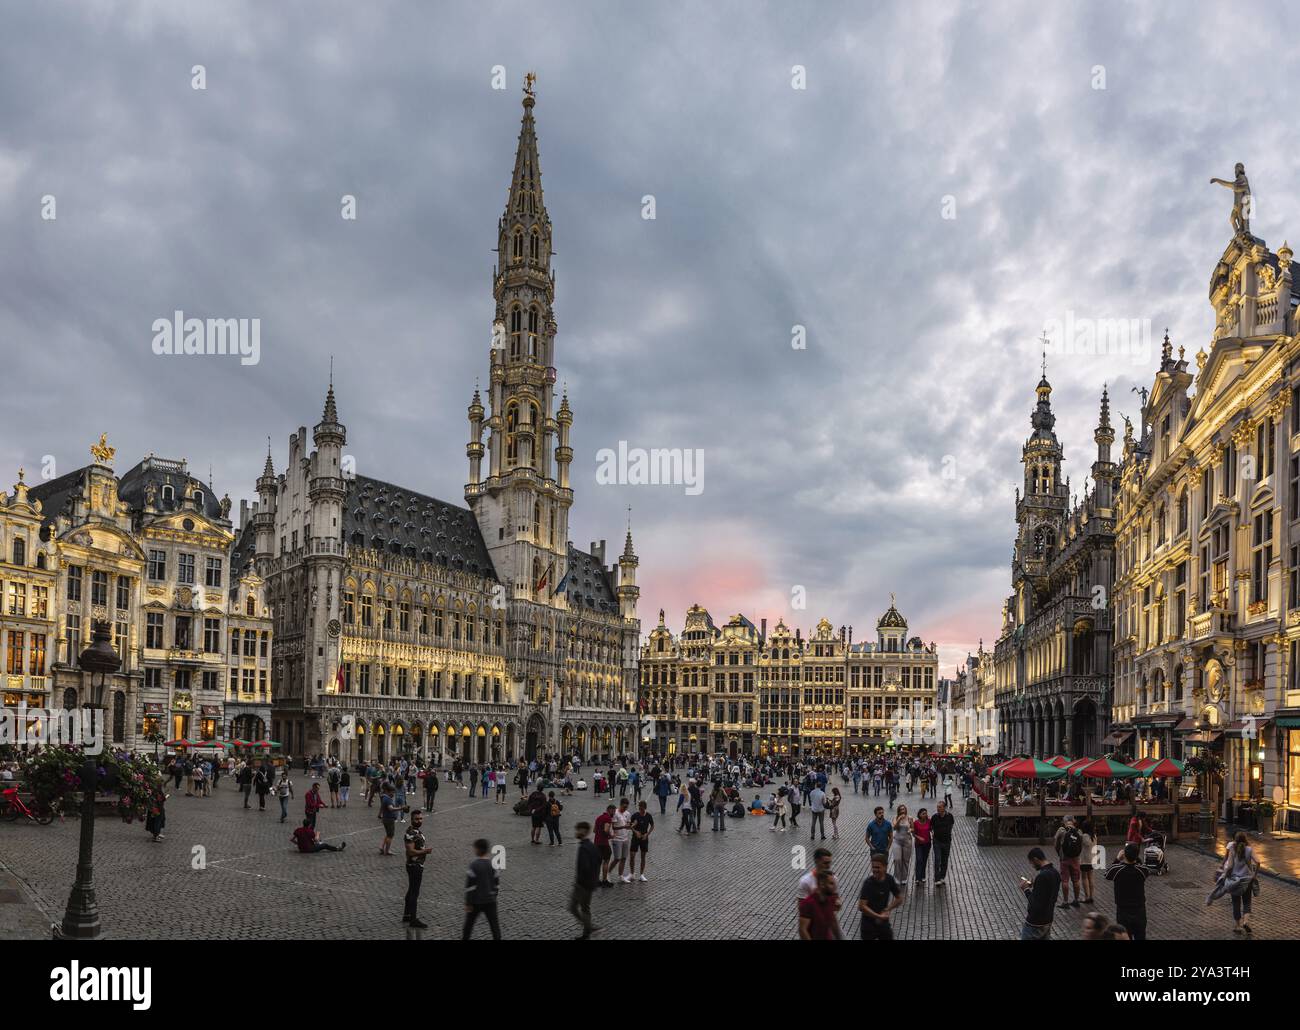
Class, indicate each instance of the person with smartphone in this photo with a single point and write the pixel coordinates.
(1040, 894)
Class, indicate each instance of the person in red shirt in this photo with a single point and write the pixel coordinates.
(313, 803)
(602, 843)
(308, 840)
(921, 836)
(817, 920)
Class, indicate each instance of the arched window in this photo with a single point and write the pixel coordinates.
(537, 519)
(534, 321)
(168, 494)
(534, 245)
(516, 331)
(512, 441)
(250, 606)
(517, 248)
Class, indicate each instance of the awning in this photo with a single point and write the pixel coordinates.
(1159, 719)
(211, 711)
(1257, 727)
(1213, 737)
(152, 709)
(1288, 722)
(1118, 737)
(1186, 726)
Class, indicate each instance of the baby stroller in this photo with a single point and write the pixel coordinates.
(1153, 854)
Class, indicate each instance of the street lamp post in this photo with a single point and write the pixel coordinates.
(1207, 836)
(81, 918)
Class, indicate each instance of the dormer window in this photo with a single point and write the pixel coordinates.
(168, 493)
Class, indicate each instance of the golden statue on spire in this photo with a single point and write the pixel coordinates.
(529, 79)
(101, 451)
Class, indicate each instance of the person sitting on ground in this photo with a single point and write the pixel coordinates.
(309, 842)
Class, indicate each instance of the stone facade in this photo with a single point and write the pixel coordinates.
(1207, 591)
(738, 689)
(1052, 660)
(410, 624)
(151, 553)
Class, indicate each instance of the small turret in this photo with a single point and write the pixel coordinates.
(628, 591)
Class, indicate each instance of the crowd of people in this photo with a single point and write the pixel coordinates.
(905, 849)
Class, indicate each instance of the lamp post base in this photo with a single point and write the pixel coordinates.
(81, 920)
(81, 917)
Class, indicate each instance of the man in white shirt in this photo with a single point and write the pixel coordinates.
(817, 805)
(808, 882)
(619, 837)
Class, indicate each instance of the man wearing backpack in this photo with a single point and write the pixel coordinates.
(1069, 846)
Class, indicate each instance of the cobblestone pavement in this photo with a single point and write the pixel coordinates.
(712, 885)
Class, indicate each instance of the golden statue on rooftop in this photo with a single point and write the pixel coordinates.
(101, 451)
(529, 79)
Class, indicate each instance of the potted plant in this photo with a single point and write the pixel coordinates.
(1264, 814)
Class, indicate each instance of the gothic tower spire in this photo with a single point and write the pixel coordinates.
(1103, 469)
(1040, 509)
(522, 499)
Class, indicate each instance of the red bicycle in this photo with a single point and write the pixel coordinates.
(14, 810)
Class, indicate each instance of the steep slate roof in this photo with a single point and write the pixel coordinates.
(56, 494)
(131, 487)
(391, 518)
(587, 583)
(241, 555)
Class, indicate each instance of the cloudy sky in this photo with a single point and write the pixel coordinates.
(776, 207)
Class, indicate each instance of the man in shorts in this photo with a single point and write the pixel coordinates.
(643, 824)
(602, 836)
(620, 825)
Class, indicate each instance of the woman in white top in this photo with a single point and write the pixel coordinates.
(778, 809)
(1088, 854)
(902, 850)
(1237, 878)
